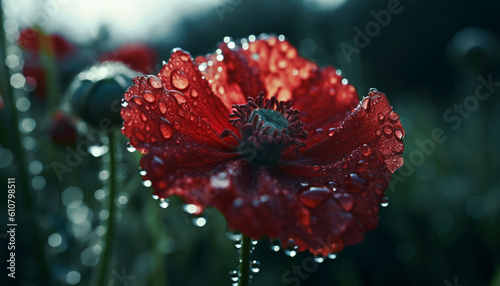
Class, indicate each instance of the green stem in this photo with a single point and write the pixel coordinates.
(20, 158)
(111, 208)
(246, 247)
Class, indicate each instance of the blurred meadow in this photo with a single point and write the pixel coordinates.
(437, 61)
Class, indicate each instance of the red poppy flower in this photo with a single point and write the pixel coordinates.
(137, 56)
(31, 40)
(282, 148)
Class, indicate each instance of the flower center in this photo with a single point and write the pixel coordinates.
(267, 127)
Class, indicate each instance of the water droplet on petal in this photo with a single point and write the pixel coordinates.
(393, 117)
(365, 103)
(332, 131)
(162, 105)
(255, 266)
(381, 117)
(166, 129)
(399, 134)
(194, 93)
(143, 172)
(387, 130)
(372, 91)
(124, 103)
(179, 79)
(179, 97)
(346, 201)
(149, 96)
(185, 57)
(366, 150)
(155, 197)
(332, 256)
(221, 90)
(154, 81)
(385, 202)
(177, 125)
(361, 166)
(314, 196)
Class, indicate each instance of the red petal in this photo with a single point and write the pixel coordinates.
(182, 75)
(274, 66)
(137, 56)
(357, 183)
(374, 123)
(162, 123)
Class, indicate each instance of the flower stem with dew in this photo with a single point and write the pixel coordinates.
(110, 229)
(20, 156)
(246, 247)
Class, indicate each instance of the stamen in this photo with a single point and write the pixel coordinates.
(267, 127)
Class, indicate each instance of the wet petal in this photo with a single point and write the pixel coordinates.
(373, 123)
(180, 74)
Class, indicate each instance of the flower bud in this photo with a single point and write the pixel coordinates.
(95, 94)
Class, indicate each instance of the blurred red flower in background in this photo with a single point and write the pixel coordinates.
(33, 42)
(281, 147)
(137, 56)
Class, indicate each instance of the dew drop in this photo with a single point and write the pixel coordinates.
(221, 90)
(147, 183)
(177, 125)
(124, 103)
(282, 64)
(290, 253)
(154, 81)
(319, 258)
(393, 117)
(399, 134)
(148, 96)
(365, 103)
(366, 150)
(164, 203)
(314, 196)
(179, 79)
(143, 172)
(255, 266)
(361, 166)
(381, 117)
(387, 130)
(237, 243)
(199, 221)
(346, 201)
(155, 197)
(275, 245)
(332, 256)
(194, 93)
(165, 129)
(233, 275)
(185, 57)
(385, 202)
(179, 97)
(190, 208)
(130, 148)
(137, 100)
(162, 105)
(332, 131)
